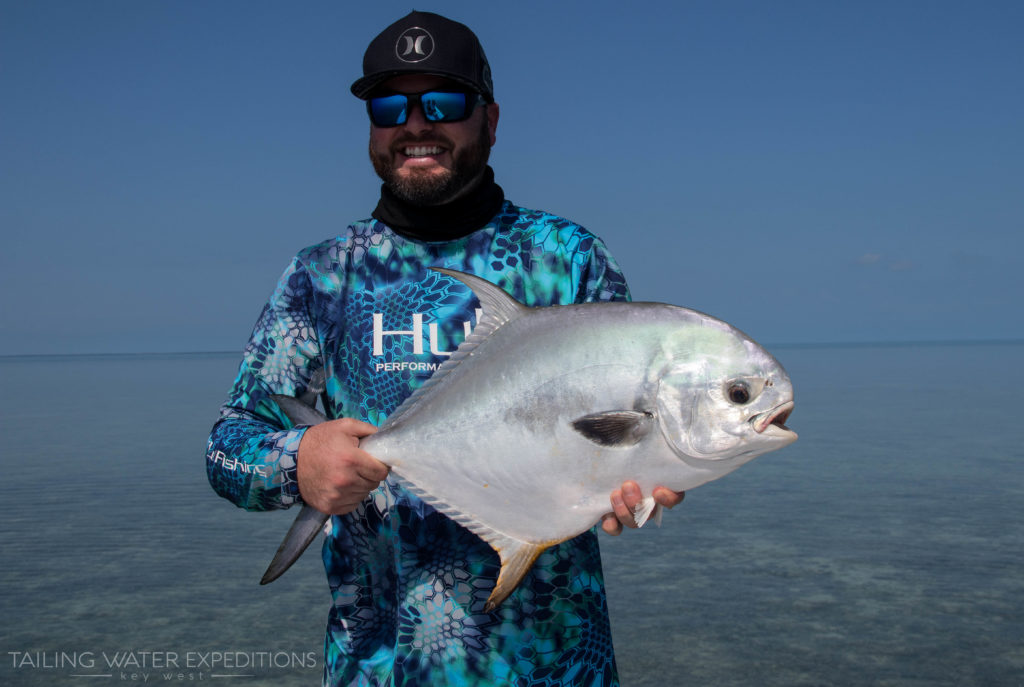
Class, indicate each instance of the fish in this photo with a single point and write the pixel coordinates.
(541, 412)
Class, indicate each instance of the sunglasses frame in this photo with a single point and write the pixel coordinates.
(472, 100)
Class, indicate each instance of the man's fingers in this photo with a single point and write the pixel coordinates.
(371, 469)
(668, 498)
(357, 471)
(334, 474)
(611, 525)
(631, 495)
(623, 501)
(356, 428)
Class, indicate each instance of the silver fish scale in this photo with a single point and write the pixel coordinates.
(492, 441)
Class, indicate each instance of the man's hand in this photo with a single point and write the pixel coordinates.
(334, 474)
(625, 500)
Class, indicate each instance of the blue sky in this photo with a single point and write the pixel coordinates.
(809, 171)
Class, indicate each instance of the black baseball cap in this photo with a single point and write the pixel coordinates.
(426, 43)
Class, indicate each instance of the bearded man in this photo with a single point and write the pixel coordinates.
(361, 321)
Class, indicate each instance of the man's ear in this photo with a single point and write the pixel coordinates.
(492, 111)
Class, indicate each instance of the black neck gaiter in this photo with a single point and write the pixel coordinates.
(447, 222)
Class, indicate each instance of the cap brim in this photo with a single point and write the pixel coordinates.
(362, 88)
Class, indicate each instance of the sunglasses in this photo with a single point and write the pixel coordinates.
(437, 106)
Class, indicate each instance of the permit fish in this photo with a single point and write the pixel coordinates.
(524, 432)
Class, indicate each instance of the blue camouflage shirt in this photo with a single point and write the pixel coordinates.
(408, 584)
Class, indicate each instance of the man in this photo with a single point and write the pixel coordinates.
(363, 312)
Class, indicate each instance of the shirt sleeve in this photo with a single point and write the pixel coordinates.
(250, 456)
(600, 276)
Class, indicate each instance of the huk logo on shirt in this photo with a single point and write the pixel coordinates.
(414, 45)
(424, 340)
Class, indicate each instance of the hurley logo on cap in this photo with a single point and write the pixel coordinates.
(414, 45)
(425, 43)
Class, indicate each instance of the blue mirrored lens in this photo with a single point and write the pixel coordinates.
(437, 106)
(389, 110)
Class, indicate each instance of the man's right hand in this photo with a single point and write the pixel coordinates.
(334, 474)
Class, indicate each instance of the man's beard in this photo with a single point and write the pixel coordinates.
(434, 189)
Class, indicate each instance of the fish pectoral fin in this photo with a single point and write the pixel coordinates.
(517, 557)
(647, 509)
(615, 427)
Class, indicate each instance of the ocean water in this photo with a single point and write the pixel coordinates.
(885, 547)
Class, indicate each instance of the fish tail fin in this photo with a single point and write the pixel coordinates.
(297, 411)
(303, 531)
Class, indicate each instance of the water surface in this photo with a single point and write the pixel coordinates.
(885, 547)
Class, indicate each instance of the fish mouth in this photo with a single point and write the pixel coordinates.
(776, 417)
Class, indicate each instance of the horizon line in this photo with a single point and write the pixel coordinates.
(790, 345)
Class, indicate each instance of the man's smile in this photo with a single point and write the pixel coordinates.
(421, 151)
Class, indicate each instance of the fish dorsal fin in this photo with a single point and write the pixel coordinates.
(498, 308)
(615, 428)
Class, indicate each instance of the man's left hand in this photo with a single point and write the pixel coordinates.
(625, 500)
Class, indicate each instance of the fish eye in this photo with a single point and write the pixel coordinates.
(738, 393)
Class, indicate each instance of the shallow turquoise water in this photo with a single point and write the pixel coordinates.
(886, 547)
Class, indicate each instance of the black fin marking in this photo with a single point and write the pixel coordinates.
(615, 427)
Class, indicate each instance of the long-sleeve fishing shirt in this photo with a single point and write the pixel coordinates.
(408, 584)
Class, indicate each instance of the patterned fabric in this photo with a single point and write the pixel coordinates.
(408, 584)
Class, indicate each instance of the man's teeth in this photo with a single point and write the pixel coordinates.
(420, 151)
